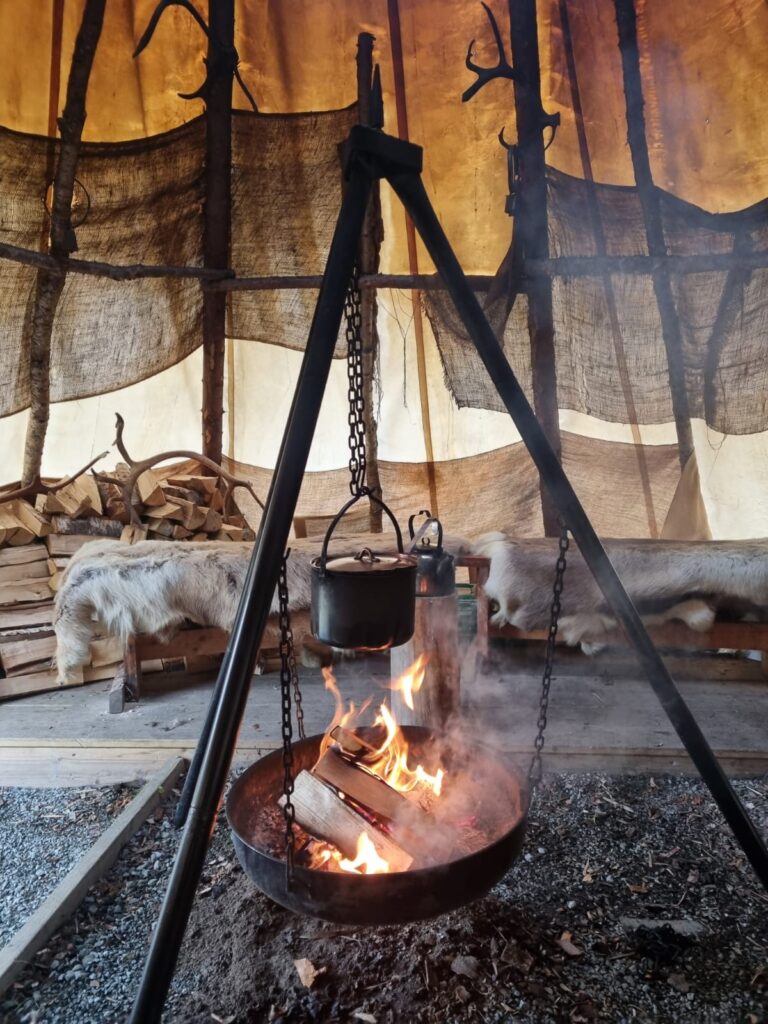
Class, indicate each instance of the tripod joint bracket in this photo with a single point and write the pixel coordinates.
(381, 154)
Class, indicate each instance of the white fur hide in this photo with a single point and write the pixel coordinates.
(155, 586)
(687, 581)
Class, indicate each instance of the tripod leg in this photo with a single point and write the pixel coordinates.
(188, 790)
(412, 193)
(252, 613)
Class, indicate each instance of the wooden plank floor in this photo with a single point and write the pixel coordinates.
(602, 717)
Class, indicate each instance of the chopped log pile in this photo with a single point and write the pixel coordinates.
(340, 802)
(44, 524)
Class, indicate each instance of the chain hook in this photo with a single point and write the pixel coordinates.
(289, 690)
(358, 464)
(535, 770)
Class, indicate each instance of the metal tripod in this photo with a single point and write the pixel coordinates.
(371, 154)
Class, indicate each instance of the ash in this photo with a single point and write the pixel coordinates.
(631, 902)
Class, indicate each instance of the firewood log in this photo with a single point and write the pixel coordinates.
(325, 815)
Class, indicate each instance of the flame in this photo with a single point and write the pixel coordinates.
(389, 760)
(411, 680)
(367, 860)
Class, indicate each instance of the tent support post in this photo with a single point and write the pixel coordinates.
(601, 249)
(368, 263)
(371, 154)
(626, 21)
(221, 63)
(531, 220)
(50, 282)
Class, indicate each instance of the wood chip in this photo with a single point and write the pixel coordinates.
(307, 972)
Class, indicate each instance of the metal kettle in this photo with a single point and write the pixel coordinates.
(435, 568)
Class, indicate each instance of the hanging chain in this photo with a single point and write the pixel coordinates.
(353, 324)
(289, 681)
(534, 772)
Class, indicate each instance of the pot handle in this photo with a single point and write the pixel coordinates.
(418, 538)
(362, 493)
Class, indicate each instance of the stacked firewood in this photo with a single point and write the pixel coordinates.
(39, 533)
(27, 641)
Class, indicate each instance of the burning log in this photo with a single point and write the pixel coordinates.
(413, 828)
(323, 813)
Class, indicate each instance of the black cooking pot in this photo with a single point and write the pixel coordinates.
(363, 600)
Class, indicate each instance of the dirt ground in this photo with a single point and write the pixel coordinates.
(558, 940)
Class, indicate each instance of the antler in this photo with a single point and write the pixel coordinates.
(137, 468)
(38, 487)
(202, 91)
(484, 75)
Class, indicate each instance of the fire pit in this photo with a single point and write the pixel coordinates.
(394, 824)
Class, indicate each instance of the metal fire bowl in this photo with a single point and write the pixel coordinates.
(372, 899)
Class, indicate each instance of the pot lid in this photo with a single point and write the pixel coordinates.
(368, 561)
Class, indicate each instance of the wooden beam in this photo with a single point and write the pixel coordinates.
(626, 21)
(398, 67)
(531, 223)
(50, 283)
(67, 895)
(221, 63)
(554, 266)
(368, 262)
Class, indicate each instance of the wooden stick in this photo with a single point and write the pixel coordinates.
(554, 266)
(626, 20)
(115, 272)
(368, 256)
(50, 283)
(531, 223)
(217, 212)
(325, 815)
(94, 865)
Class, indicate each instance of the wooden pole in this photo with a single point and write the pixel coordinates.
(398, 70)
(601, 249)
(50, 282)
(532, 225)
(626, 21)
(221, 62)
(368, 262)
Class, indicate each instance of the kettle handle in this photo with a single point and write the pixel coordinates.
(424, 512)
(418, 537)
(363, 492)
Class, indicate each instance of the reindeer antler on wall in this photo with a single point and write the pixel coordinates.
(231, 57)
(484, 75)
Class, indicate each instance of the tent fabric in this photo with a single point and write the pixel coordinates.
(703, 65)
(145, 201)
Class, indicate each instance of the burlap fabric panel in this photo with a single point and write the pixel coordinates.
(146, 202)
(499, 490)
(723, 317)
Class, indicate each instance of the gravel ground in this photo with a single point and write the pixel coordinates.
(552, 943)
(43, 833)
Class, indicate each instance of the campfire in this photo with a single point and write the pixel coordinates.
(372, 804)
(393, 822)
